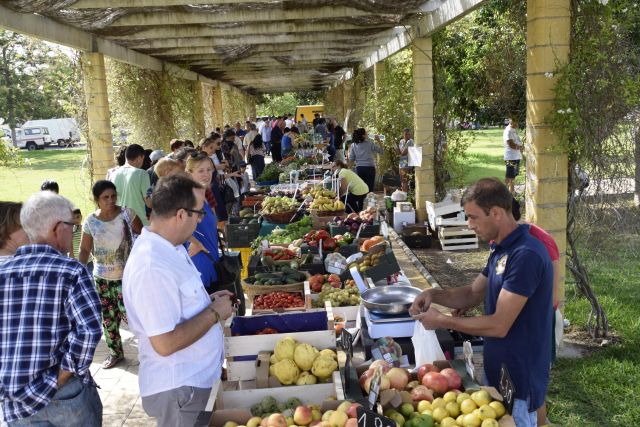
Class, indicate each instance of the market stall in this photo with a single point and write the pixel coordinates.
(327, 339)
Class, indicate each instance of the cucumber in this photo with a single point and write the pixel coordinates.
(291, 281)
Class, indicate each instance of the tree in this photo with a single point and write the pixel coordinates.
(37, 80)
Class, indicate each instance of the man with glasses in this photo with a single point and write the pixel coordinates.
(50, 324)
(176, 322)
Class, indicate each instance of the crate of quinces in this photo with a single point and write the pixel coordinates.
(435, 393)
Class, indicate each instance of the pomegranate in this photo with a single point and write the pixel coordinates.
(452, 377)
(436, 382)
(427, 367)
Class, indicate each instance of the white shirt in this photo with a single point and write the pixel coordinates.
(510, 153)
(161, 289)
(288, 123)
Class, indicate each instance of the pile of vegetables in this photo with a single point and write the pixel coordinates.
(286, 236)
(270, 405)
(353, 220)
(271, 172)
(287, 276)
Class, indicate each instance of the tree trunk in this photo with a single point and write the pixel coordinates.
(11, 114)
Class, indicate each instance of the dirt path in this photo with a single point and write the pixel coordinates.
(453, 268)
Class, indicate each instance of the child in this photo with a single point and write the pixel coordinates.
(77, 233)
(49, 185)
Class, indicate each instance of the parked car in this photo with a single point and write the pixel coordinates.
(33, 138)
(63, 132)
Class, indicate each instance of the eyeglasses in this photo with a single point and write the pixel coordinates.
(71, 224)
(200, 212)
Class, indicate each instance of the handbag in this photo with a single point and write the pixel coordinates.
(228, 269)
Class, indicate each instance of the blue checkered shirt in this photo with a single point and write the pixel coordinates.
(49, 320)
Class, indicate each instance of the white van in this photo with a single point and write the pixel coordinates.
(33, 138)
(63, 131)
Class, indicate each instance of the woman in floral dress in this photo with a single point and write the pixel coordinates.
(108, 235)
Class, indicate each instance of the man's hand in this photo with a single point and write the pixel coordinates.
(196, 247)
(458, 312)
(63, 377)
(421, 304)
(431, 319)
(223, 306)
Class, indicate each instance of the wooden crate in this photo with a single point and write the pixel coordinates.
(435, 210)
(305, 297)
(457, 238)
(235, 347)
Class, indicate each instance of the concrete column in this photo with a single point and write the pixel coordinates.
(252, 108)
(339, 101)
(423, 123)
(379, 70)
(198, 111)
(217, 108)
(348, 103)
(359, 97)
(548, 35)
(98, 116)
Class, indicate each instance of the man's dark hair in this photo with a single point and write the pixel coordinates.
(182, 154)
(316, 115)
(77, 212)
(515, 209)
(50, 185)
(175, 144)
(294, 129)
(358, 135)
(188, 143)
(134, 151)
(229, 132)
(487, 193)
(120, 155)
(100, 187)
(174, 192)
(146, 164)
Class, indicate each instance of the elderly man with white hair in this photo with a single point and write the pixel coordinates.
(50, 324)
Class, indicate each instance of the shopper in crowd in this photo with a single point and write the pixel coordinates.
(12, 236)
(250, 135)
(203, 244)
(265, 133)
(146, 163)
(77, 233)
(50, 324)
(287, 141)
(120, 157)
(352, 186)
(276, 140)
(133, 183)
(166, 167)
(512, 153)
(50, 185)
(403, 152)
(175, 145)
(107, 236)
(176, 322)
(239, 132)
(188, 143)
(155, 157)
(361, 154)
(339, 139)
(255, 156)
(516, 288)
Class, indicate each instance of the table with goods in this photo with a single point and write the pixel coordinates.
(326, 340)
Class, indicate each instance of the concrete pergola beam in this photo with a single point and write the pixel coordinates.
(267, 15)
(47, 29)
(259, 29)
(279, 39)
(272, 49)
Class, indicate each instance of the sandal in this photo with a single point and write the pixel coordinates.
(111, 361)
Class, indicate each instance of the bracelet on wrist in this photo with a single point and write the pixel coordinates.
(213, 310)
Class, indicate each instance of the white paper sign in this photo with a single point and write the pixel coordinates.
(415, 156)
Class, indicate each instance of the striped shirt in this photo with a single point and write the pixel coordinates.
(49, 320)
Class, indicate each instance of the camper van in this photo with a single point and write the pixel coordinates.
(62, 131)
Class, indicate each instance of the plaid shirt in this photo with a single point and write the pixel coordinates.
(49, 320)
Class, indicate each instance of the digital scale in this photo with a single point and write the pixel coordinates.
(388, 325)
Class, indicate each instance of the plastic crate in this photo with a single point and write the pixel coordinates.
(240, 235)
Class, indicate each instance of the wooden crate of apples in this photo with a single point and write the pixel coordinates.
(430, 396)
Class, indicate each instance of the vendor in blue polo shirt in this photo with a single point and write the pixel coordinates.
(516, 288)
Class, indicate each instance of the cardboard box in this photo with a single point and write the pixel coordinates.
(401, 218)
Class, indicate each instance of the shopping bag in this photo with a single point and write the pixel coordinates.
(425, 345)
(415, 156)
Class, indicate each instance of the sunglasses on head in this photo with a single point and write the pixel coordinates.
(198, 154)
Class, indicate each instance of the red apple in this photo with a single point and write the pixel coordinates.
(302, 416)
(452, 377)
(365, 375)
(334, 278)
(398, 378)
(421, 393)
(351, 422)
(351, 412)
(427, 367)
(436, 382)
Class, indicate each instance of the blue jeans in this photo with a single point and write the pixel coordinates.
(522, 416)
(74, 405)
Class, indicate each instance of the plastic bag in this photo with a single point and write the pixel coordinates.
(335, 263)
(559, 328)
(425, 344)
(398, 196)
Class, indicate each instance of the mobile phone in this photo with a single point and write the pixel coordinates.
(382, 138)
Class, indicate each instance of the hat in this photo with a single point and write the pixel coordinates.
(243, 163)
(156, 155)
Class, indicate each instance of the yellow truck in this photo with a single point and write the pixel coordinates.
(309, 112)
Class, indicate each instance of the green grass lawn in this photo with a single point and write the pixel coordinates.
(486, 156)
(67, 167)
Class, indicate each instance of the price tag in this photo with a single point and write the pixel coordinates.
(346, 339)
(346, 374)
(359, 230)
(320, 248)
(367, 418)
(384, 230)
(264, 244)
(374, 388)
(506, 388)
